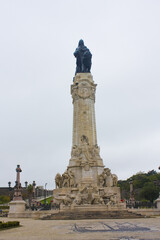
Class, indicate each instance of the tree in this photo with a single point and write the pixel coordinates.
(30, 193)
(149, 192)
(4, 199)
(146, 186)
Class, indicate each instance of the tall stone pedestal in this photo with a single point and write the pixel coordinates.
(16, 208)
(85, 181)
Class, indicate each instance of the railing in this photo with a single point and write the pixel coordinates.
(140, 204)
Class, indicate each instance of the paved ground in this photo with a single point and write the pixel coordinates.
(113, 229)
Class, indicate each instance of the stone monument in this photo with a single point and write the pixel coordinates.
(157, 201)
(17, 206)
(86, 182)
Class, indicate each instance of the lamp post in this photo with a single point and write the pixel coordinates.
(9, 184)
(26, 184)
(132, 200)
(34, 185)
(45, 194)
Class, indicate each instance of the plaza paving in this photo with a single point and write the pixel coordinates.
(113, 229)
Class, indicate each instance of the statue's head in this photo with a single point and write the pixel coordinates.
(81, 43)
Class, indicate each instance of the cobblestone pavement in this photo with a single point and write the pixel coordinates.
(112, 229)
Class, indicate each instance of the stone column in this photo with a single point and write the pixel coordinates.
(85, 161)
(132, 200)
(83, 94)
(17, 206)
(17, 188)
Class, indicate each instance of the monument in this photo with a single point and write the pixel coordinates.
(86, 182)
(17, 206)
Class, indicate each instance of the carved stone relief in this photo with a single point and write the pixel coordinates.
(66, 180)
(106, 179)
(85, 153)
(83, 90)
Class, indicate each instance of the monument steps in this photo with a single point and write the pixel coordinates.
(79, 215)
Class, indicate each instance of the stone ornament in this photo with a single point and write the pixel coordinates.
(85, 89)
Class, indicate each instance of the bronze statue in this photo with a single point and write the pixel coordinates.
(83, 56)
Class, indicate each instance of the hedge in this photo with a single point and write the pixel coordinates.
(10, 224)
(4, 207)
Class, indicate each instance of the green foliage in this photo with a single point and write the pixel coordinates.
(4, 199)
(149, 192)
(4, 207)
(48, 200)
(10, 224)
(152, 172)
(124, 187)
(30, 192)
(146, 186)
(30, 189)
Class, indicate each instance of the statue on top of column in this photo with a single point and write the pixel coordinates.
(18, 188)
(83, 56)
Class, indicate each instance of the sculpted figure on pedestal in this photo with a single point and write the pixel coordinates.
(75, 152)
(67, 201)
(58, 180)
(85, 154)
(97, 199)
(115, 179)
(101, 180)
(95, 152)
(106, 179)
(83, 56)
(71, 178)
(65, 179)
(78, 199)
(112, 200)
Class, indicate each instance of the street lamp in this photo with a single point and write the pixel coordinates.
(26, 184)
(132, 200)
(34, 185)
(45, 194)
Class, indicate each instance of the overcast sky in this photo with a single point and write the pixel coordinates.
(37, 66)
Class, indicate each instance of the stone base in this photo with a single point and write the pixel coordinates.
(157, 201)
(92, 208)
(16, 208)
(91, 214)
(88, 198)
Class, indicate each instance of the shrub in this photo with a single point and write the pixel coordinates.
(4, 207)
(4, 199)
(10, 224)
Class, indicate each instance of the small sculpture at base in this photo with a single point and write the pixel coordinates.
(58, 180)
(66, 180)
(106, 179)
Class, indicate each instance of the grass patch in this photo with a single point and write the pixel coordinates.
(48, 200)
